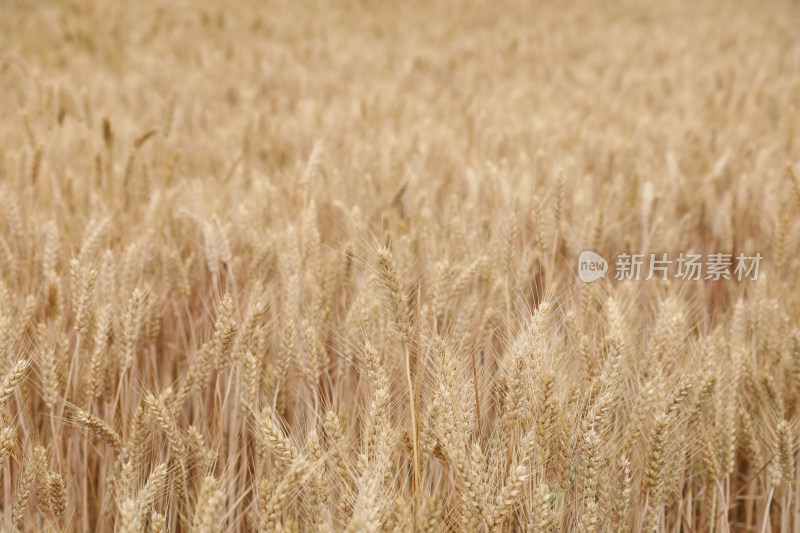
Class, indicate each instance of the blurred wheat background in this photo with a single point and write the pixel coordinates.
(311, 266)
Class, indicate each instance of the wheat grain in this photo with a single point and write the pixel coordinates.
(13, 378)
(101, 428)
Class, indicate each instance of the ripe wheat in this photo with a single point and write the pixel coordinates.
(311, 266)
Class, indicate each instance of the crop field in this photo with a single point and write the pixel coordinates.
(361, 266)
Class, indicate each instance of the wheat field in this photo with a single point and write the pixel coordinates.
(313, 266)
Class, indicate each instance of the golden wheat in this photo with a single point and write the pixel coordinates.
(313, 266)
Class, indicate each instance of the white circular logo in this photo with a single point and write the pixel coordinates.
(591, 266)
